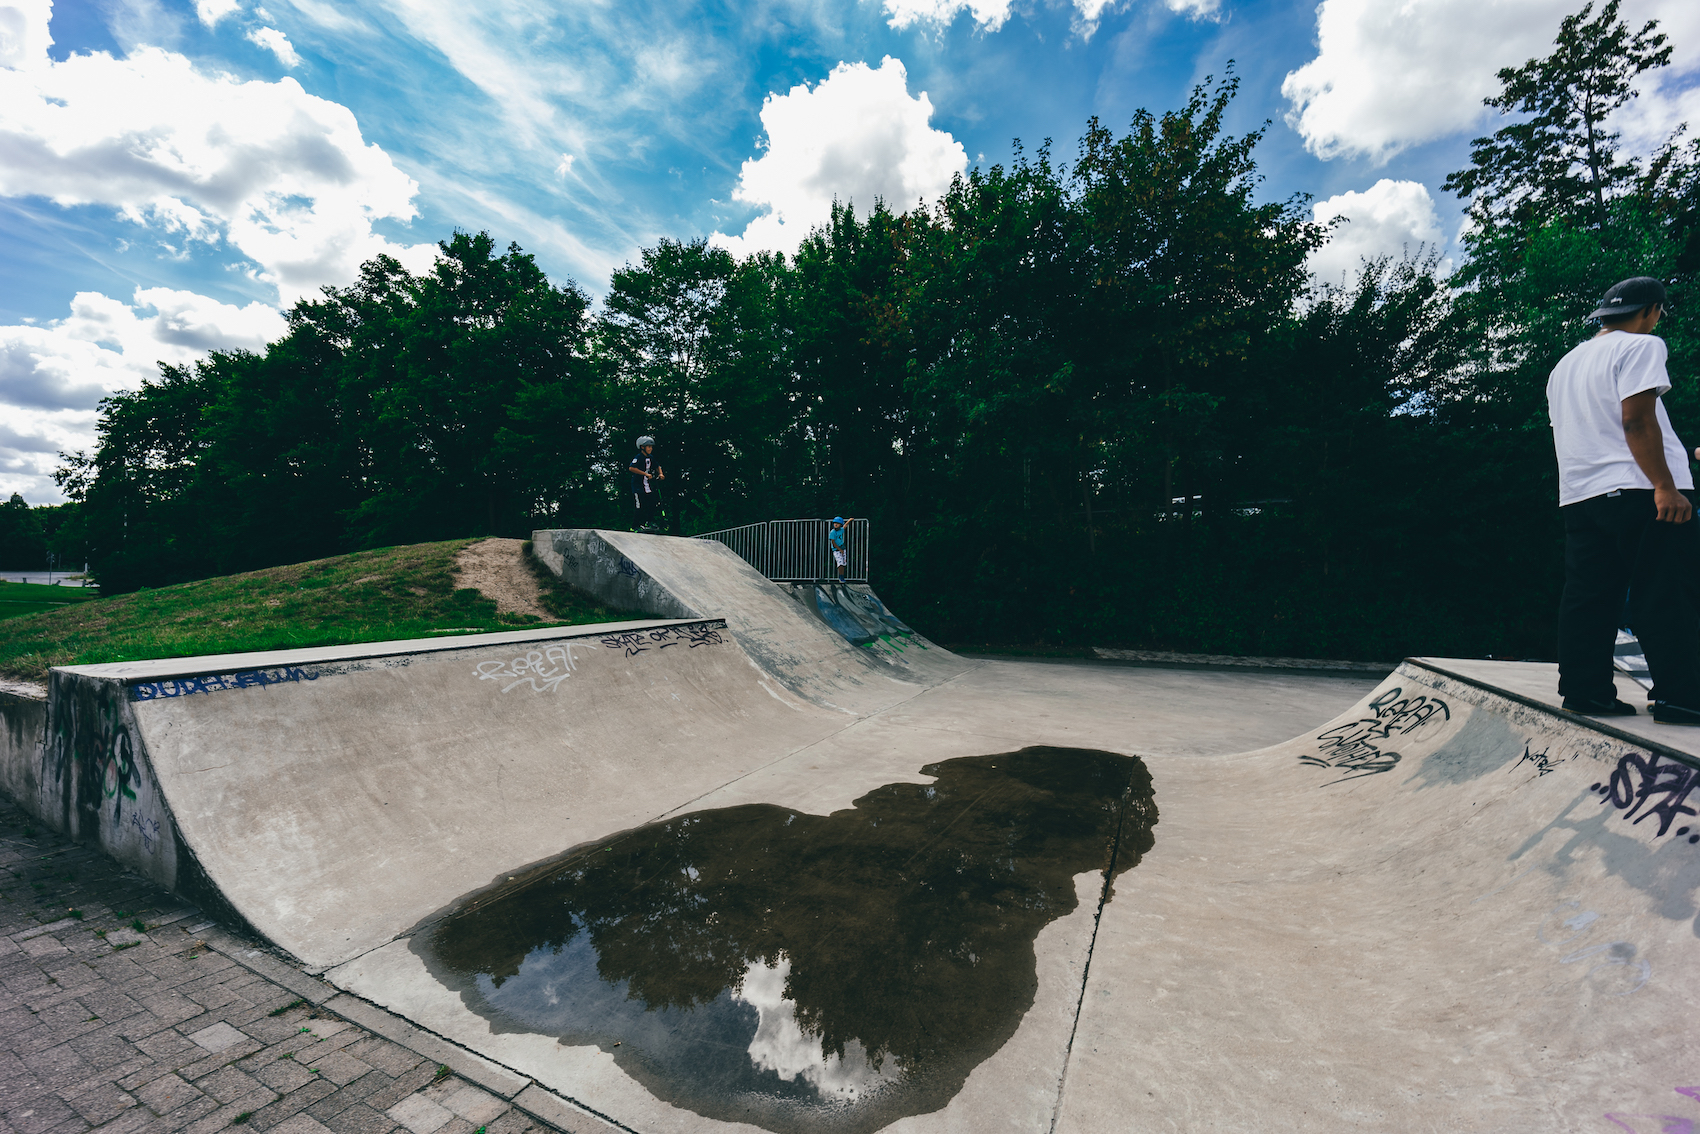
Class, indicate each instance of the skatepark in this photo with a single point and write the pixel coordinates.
(771, 860)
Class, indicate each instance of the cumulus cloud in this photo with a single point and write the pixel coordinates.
(277, 43)
(855, 136)
(23, 32)
(52, 376)
(989, 14)
(282, 177)
(1388, 76)
(210, 12)
(1197, 9)
(1387, 219)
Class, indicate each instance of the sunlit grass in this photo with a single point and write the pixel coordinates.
(369, 596)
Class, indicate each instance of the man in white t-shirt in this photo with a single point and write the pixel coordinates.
(1623, 489)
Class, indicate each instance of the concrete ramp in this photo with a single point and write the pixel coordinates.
(1448, 909)
(332, 798)
(824, 649)
(1445, 909)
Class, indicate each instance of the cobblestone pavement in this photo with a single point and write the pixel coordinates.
(124, 1012)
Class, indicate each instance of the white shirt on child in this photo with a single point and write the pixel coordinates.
(1585, 398)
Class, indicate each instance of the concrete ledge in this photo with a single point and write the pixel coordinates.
(154, 669)
(1577, 720)
(314, 992)
(1231, 661)
(491, 1076)
(563, 1114)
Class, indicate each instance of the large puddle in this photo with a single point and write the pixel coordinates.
(805, 972)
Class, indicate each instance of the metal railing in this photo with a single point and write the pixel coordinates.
(796, 551)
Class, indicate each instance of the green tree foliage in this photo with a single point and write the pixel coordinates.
(22, 542)
(1559, 159)
(1089, 402)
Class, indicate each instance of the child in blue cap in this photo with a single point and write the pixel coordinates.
(835, 534)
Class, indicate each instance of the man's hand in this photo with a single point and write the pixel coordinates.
(1674, 507)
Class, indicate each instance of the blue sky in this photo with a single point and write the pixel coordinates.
(173, 172)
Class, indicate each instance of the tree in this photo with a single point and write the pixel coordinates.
(691, 347)
(1561, 161)
(22, 542)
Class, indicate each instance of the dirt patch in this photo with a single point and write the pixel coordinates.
(497, 568)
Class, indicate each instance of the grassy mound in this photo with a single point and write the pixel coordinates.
(370, 596)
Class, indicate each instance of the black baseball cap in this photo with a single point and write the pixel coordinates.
(1630, 296)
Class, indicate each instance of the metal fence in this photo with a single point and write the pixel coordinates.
(796, 551)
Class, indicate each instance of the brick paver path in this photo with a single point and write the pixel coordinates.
(117, 1015)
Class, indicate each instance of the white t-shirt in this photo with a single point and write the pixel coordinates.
(1585, 398)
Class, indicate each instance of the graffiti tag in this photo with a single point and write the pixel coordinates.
(628, 568)
(1570, 922)
(1355, 749)
(1643, 782)
(212, 682)
(147, 827)
(635, 642)
(1666, 1123)
(543, 670)
(1542, 761)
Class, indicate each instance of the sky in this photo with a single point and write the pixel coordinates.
(175, 173)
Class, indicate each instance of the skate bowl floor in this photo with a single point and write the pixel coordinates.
(699, 874)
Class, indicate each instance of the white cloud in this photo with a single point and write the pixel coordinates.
(210, 12)
(1196, 9)
(277, 43)
(989, 14)
(855, 136)
(1388, 218)
(1390, 75)
(24, 39)
(565, 167)
(52, 376)
(284, 178)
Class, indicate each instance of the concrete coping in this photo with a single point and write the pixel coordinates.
(1593, 724)
(155, 668)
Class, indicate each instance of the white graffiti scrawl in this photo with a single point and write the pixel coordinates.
(543, 670)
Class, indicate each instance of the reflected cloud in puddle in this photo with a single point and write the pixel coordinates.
(805, 972)
(784, 1048)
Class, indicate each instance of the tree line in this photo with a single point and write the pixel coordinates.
(1098, 401)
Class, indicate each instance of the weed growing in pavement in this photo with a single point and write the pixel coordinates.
(286, 1007)
(443, 1072)
(78, 914)
(138, 926)
(241, 1118)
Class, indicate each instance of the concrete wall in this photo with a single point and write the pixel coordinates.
(23, 732)
(582, 557)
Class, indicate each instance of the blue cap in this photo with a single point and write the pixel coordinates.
(838, 519)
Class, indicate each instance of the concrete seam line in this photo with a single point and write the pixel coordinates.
(547, 1106)
(1569, 718)
(1086, 967)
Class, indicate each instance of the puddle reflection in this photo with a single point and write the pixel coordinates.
(805, 972)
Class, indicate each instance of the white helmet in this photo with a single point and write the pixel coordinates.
(645, 440)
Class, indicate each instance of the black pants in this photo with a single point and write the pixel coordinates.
(648, 508)
(1614, 544)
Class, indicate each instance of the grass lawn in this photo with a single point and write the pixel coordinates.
(369, 596)
(19, 599)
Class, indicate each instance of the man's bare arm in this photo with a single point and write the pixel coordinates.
(1647, 446)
